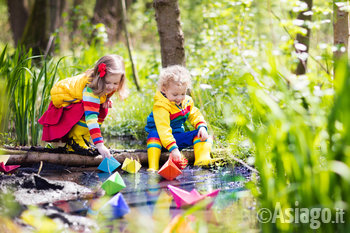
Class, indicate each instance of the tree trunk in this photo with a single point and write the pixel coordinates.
(44, 19)
(35, 34)
(170, 32)
(56, 10)
(73, 17)
(305, 40)
(341, 32)
(109, 12)
(18, 16)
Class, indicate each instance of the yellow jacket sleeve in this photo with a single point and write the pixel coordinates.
(162, 121)
(195, 117)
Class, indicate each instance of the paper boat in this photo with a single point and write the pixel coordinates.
(169, 170)
(131, 165)
(3, 161)
(119, 206)
(108, 165)
(6, 169)
(113, 184)
(4, 158)
(184, 198)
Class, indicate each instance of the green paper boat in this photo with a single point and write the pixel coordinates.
(131, 165)
(113, 184)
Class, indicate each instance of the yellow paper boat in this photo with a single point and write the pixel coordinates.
(4, 158)
(131, 165)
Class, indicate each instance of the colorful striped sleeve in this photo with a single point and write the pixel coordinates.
(91, 104)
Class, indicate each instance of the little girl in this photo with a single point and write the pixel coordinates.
(165, 125)
(80, 104)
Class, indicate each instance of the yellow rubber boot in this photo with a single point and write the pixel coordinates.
(78, 134)
(202, 153)
(153, 158)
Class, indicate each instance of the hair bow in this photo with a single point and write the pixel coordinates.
(102, 69)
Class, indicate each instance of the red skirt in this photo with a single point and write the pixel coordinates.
(57, 122)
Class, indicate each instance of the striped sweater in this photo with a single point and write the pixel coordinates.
(168, 118)
(91, 104)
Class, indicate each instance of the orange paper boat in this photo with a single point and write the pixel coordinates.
(184, 198)
(169, 170)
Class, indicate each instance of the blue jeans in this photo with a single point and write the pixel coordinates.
(183, 140)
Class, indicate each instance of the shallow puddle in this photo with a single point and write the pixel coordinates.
(82, 210)
(143, 188)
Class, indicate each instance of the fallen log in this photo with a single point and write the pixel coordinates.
(27, 157)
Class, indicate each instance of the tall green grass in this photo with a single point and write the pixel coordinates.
(339, 143)
(301, 143)
(3, 100)
(28, 83)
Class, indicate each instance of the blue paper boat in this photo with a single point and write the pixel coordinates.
(119, 206)
(108, 165)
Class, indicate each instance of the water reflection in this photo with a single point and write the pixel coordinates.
(103, 176)
(144, 188)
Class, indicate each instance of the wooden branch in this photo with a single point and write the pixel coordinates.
(21, 157)
(128, 43)
(27, 157)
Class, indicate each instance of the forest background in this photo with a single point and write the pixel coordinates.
(263, 77)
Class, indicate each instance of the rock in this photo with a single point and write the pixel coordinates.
(32, 189)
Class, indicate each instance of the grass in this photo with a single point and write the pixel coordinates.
(28, 85)
(300, 138)
(294, 130)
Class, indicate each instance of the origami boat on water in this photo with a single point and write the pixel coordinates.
(169, 170)
(131, 165)
(119, 206)
(108, 165)
(113, 184)
(184, 198)
(3, 161)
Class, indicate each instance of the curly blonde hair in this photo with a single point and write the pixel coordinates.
(114, 65)
(174, 74)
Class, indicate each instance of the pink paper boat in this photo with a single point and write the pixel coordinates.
(184, 198)
(6, 169)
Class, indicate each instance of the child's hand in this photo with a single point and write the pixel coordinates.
(107, 104)
(175, 155)
(103, 150)
(203, 134)
(182, 163)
